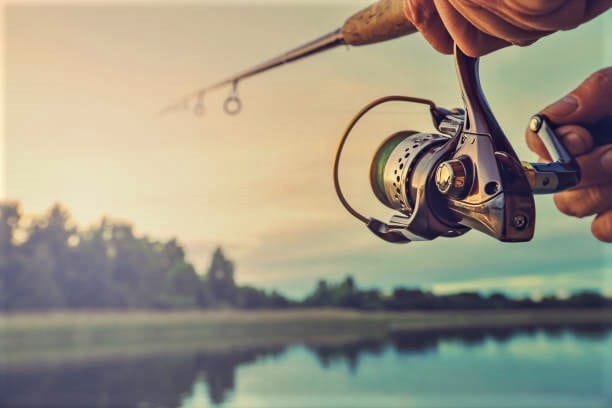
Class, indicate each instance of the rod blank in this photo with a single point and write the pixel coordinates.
(381, 21)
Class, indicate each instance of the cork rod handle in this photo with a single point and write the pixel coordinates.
(381, 21)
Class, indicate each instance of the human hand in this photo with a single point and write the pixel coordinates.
(482, 26)
(586, 105)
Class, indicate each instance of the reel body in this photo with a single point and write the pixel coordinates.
(466, 177)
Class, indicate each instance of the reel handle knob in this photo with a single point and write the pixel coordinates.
(562, 173)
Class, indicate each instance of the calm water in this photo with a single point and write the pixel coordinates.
(474, 368)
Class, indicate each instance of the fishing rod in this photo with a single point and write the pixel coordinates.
(381, 21)
(466, 176)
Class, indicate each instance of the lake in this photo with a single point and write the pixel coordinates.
(509, 367)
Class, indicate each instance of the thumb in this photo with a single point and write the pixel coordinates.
(586, 104)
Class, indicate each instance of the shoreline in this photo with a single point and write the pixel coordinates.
(34, 339)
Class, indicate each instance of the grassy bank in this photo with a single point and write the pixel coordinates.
(40, 338)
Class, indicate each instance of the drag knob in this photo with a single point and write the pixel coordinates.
(452, 177)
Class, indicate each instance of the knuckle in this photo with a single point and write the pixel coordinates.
(605, 155)
(602, 77)
(469, 42)
(594, 168)
(580, 203)
(563, 204)
(591, 201)
(420, 13)
(600, 81)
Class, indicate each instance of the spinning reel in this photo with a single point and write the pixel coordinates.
(467, 176)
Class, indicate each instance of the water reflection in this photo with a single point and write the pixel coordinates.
(165, 381)
(157, 381)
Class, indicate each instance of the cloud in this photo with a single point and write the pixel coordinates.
(528, 283)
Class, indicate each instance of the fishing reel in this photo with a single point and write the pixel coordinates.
(466, 177)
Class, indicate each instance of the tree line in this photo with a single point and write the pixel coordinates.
(346, 294)
(48, 262)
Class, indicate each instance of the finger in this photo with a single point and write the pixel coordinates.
(469, 39)
(549, 14)
(503, 22)
(595, 8)
(424, 16)
(576, 139)
(602, 226)
(585, 201)
(586, 104)
(595, 167)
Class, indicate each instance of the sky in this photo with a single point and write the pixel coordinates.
(84, 82)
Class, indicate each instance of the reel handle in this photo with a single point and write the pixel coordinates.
(558, 175)
(563, 172)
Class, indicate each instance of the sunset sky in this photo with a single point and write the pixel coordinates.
(84, 82)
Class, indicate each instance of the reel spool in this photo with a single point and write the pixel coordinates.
(393, 163)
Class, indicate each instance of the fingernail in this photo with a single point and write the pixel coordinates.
(606, 161)
(574, 143)
(562, 107)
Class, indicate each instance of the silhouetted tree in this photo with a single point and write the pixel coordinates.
(220, 279)
(10, 215)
